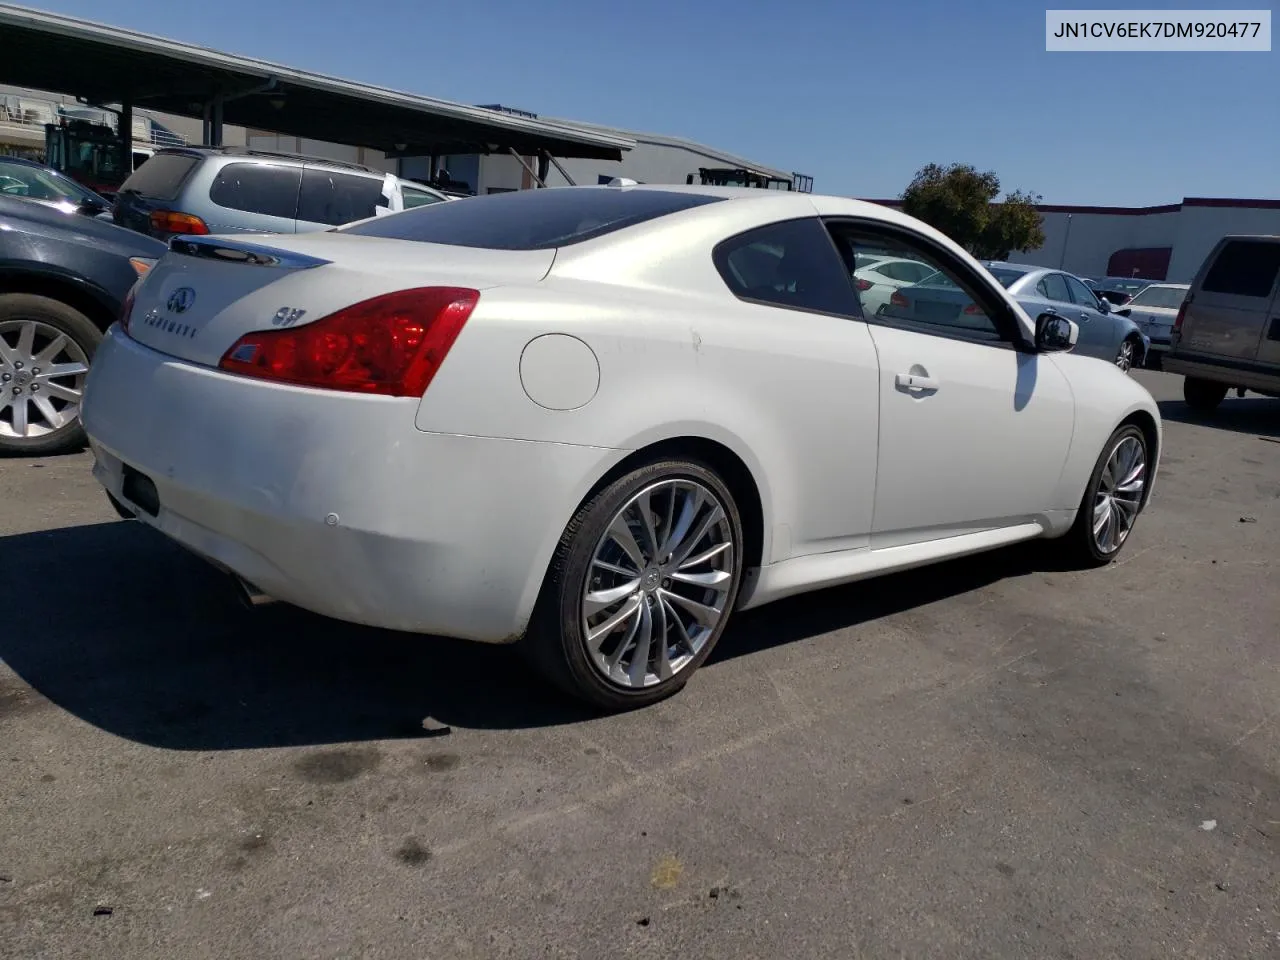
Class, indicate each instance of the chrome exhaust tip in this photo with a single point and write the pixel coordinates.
(250, 595)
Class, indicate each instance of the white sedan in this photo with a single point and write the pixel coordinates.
(878, 281)
(598, 420)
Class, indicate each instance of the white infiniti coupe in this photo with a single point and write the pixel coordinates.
(597, 420)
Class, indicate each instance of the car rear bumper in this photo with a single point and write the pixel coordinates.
(1263, 378)
(335, 502)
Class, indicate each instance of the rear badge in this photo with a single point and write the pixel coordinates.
(153, 319)
(180, 300)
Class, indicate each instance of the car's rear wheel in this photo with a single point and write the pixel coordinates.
(1203, 395)
(45, 350)
(1112, 500)
(640, 587)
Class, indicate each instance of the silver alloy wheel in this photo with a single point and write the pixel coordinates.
(1119, 498)
(658, 583)
(42, 374)
(1124, 359)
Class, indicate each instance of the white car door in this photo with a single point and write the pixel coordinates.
(974, 428)
(809, 373)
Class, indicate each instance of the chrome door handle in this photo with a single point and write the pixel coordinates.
(908, 381)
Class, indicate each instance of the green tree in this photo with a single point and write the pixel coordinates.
(961, 202)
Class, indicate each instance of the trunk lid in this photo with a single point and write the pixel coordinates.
(208, 292)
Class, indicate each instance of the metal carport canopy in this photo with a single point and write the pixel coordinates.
(105, 64)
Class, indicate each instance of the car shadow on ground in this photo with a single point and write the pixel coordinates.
(124, 630)
(1250, 414)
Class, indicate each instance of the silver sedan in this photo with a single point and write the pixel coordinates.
(1103, 333)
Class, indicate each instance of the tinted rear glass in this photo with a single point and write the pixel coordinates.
(263, 188)
(530, 219)
(337, 198)
(1170, 297)
(162, 176)
(1246, 268)
(1006, 277)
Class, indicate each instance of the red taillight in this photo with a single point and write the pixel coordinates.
(898, 300)
(974, 310)
(863, 285)
(170, 221)
(1182, 314)
(391, 345)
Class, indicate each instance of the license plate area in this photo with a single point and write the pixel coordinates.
(139, 490)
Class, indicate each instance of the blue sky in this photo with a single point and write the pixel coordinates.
(857, 95)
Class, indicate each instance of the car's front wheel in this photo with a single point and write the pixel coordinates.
(1127, 354)
(45, 350)
(1114, 497)
(640, 587)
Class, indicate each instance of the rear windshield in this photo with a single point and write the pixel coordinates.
(1170, 297)
(1006, 277)
(530, 219)
(162, 176)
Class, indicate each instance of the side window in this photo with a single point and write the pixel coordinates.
(1054, 287)
(264, 188)
(1081, 294)
(417, 198)
(789, 264)
(944, 302)
(1245, 268)
(337, 198)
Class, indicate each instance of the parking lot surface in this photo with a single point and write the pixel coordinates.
(986, 758)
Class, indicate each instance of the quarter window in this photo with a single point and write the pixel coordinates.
(789, 264)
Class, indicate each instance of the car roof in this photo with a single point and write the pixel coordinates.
(234, 152)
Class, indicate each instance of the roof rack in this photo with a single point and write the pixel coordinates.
(256, 152)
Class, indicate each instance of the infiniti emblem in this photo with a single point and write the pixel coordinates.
(180, 300)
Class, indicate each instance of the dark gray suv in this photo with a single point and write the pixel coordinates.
(237, 190)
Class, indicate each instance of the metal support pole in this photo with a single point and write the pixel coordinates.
(215, 125)
(564, 173)
(1063, 259)
(536, 179)
(124, 129)
(543, 167)
(207, 122)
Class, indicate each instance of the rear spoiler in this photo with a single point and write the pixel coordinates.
(240, 251)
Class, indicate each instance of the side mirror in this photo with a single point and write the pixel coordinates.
(1055, 334)
(1104, 305)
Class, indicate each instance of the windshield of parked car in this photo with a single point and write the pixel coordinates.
(21, 180)
(530, 219)
(1170, 297)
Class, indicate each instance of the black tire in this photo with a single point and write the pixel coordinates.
(555, 642)
(77, 328)
(1079, 546)
(1203, 395)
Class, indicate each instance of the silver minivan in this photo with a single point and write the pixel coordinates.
(1227, 332)
(239, 190)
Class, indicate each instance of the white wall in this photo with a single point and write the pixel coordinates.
(1200, 228)
(1092, 238)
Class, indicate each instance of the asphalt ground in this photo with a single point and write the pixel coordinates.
(989, 758)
